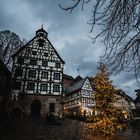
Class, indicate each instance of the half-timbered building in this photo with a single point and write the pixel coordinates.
(79, 99)
(37, 77)
(125, 103)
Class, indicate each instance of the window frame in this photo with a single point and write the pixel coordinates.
(20, 60)
(32, 73)
(45, 63)
(45, 54)
(34, 52)
(44, 87)
(55, 88)
(56, 76)
(29, 85)
(33, 62)
(58, 65)
(44, 75)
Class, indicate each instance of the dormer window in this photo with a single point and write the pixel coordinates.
(41, 32)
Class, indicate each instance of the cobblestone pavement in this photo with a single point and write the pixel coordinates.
(38, 129)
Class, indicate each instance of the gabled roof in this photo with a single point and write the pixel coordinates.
(22, 48)
(122, 93)
(78, 78)
(76, 86)
(68, 77)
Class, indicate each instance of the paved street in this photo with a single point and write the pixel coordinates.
(38, 129)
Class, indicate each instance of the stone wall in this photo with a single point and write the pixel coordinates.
(25, 103)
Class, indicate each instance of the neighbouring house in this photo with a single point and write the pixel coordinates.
(125, 103)
(37, 78)
(137, 100)
(5, 86)
(67, 81)
(137, 103)
(79, 99)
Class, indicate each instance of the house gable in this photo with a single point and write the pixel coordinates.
(87, 85)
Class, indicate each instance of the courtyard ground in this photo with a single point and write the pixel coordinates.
(66, 129)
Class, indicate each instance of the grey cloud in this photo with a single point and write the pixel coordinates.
(67, 32)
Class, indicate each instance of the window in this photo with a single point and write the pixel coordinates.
(46, 54)
(57, 65)
(52, 107)
(44, 87)
(17, 85)
(44, 63)
(20, 60)
(34, 53)
(32, 73)
(30, 86)
(44, 75)
(33, 62)
(56, 76)
(41, 42)
(18, 72)
(56, 88)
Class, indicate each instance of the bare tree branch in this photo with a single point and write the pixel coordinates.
(119, 24)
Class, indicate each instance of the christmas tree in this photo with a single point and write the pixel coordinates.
(106, 121)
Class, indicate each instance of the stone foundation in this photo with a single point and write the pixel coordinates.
(25, 104)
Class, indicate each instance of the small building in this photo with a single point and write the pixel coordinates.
(125, 103)
(79, 99)
(137, 103)
(137, 100)
(37, 78)
(5, 86)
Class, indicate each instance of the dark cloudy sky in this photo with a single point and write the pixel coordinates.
(67, 32)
